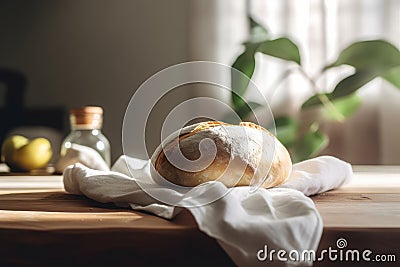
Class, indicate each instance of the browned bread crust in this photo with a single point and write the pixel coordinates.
(228, 166)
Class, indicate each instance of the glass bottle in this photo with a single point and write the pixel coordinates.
(86, 124)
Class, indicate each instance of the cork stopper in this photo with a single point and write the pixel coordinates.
(89, 117)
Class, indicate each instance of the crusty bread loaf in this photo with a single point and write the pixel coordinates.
(231, 154)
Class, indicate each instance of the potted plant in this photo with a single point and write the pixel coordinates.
(303, 138)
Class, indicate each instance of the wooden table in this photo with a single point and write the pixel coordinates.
(40, 225)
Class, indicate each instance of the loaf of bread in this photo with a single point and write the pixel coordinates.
(236, 155)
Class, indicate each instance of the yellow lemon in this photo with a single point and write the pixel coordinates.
(21, 154)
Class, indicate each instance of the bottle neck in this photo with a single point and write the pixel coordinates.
(88, 128)
(86, 132)
(86, 121)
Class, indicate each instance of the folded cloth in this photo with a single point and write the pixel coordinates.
(82, 154)
(243, 223)
(318, 175)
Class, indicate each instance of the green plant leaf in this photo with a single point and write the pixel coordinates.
(370, 59)
(343, 107)
(246, 108)
(286, 128)
(309, 145)
(282, 48)
(393, 76)
(240, 113)
(375, 56)
(314, 100)
(345, 87)
(352, 83)
(245, 63)
(258, 33)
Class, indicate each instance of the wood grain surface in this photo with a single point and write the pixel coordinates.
(41, 224)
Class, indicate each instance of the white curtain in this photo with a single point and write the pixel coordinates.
(321, 28)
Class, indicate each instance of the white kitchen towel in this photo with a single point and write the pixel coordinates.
(247, 225)
(318, 175)
(82, 154)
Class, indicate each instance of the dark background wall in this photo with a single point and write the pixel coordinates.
(92, 52)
